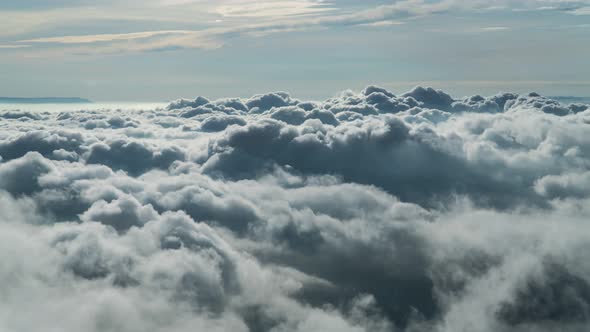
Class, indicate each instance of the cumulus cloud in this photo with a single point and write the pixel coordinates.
(132, 156)
(369, 211)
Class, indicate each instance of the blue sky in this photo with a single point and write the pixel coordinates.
(154, 50)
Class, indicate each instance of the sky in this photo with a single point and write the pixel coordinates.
(380, 194)
(158, 50)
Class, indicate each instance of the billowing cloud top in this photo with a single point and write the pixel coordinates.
(369, 211)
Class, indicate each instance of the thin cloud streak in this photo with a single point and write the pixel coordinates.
(106, 37)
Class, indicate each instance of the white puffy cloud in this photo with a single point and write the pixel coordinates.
(369, 211)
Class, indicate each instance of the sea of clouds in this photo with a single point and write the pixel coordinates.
(365, 212)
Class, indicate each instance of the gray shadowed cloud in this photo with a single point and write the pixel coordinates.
(369, 211)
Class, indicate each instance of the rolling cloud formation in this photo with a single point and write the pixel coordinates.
(368, 211)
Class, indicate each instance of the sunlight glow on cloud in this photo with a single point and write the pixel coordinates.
(272, 9)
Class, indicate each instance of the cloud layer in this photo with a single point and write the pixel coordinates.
(368, 211)
(211, 23)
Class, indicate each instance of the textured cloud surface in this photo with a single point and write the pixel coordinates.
(369, 211)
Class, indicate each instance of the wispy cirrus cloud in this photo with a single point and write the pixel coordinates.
(271, 17)
(172, 24)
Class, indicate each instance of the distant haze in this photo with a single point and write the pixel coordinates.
(44, 100)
